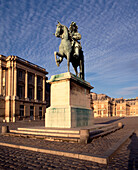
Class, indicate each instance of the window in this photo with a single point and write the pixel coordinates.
(30, 77)
(20, 74)
(40, 112)
(30, 93)
(20, 92)
(38, 80)
(21, 110)
(39, 95)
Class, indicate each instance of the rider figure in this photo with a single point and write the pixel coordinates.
(75, 37)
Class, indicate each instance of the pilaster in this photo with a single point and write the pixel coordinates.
(35, 95)
(27, 110)
(15, 81)
(44, 80)
(7, 108)
(0, 81)
(14, 110)
(9, 80)
(4, 82)
(26, 85)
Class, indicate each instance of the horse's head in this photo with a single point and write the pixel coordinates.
(59, 29)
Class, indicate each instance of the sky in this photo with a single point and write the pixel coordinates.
(109, 30)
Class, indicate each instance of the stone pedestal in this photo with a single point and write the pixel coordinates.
(70, 102)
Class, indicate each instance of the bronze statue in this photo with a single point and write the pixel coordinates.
(75, 37)
(70, 47)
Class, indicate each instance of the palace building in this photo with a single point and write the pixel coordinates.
(24, 93)
(102, 105)
(105, 106)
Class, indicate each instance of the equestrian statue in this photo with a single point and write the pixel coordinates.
(70, 48)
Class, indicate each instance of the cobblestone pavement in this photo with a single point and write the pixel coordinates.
(22, 159)
(126, 157)
(96, 147)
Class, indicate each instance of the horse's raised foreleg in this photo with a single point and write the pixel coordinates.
(58, 60)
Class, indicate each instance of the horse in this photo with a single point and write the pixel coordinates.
(66, 51)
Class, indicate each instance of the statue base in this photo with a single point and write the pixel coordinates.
(70, 102)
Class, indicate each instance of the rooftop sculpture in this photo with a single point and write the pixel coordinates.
(70, 48)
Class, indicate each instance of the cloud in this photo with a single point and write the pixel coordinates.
(108, 29)
(129, 91)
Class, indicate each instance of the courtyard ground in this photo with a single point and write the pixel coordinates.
(125, 158)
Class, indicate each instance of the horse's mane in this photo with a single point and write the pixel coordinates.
(66, 32)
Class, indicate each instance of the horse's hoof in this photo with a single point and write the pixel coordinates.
(57, 64)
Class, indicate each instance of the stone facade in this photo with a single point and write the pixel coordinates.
(105, 106)
(133, 103)
(23, 89)
(122, 108)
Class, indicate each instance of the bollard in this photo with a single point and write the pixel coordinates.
(84, 136)
(5, 129)
(120, 125)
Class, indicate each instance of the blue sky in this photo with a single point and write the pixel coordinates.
(109, 30)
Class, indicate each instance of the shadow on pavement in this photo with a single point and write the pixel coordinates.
(110, 121)
(133, 156)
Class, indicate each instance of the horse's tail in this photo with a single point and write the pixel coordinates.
(81, 64)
